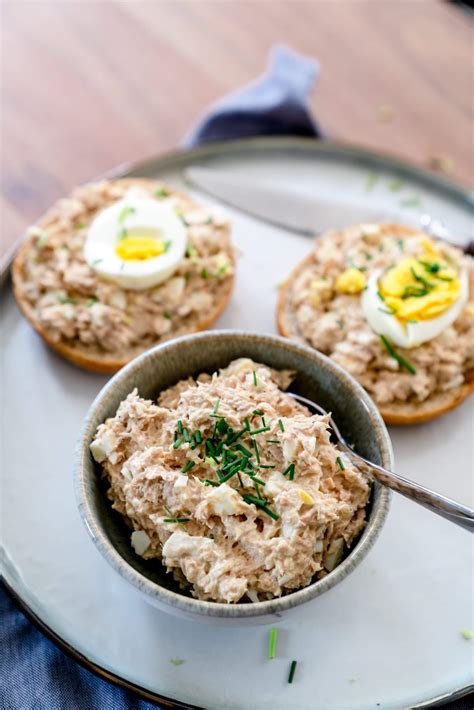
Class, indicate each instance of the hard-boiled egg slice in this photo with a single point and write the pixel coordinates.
(408, 320)
(137, 242)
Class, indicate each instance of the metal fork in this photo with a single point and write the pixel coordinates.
(456, 513)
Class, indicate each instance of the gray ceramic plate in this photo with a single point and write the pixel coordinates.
(408, 600)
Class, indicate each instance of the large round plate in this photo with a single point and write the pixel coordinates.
(388, 636)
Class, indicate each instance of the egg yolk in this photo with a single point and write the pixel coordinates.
(138, 248)
(350, 281)
(420, 288)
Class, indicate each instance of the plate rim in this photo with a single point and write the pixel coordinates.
(343, 150)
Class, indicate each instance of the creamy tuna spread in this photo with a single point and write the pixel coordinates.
(394, 311)
(232, 484)
(87, 271)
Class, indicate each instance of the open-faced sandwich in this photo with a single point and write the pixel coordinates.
(120, 266)
(232, 484)
(393, 307)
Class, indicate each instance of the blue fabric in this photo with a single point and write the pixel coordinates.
(275, 104)
(34, 673)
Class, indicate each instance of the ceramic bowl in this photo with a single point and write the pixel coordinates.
(317, 378)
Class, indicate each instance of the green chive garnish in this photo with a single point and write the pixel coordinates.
(256, 480)
(180, 426)
(177, 443)
(167, 315)
(66, 299)
(280, 424)
(125, 212)
(272, 441)
(266, 466)
(292, 671)
(393, 353)
(188, 466)
(197, 437)
(254, 378)
(421, 279)
(340, 464)
(443, 278)
(431, 267)
(258, 412)
(243, 450)
(161, 192)
(252, 432)
(186, 435)
(291, 470)
(205, 274)
(207, 482)
(272, 641)
(259, 503)
(216, 407)
(176, 520)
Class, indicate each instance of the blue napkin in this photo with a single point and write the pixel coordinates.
(276, 104)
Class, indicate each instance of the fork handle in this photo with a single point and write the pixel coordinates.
(456, 513)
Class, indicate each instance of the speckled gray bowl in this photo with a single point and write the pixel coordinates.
(317, 377)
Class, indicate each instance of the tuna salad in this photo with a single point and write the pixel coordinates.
(390, 305)
(232, 484)
(119, 266)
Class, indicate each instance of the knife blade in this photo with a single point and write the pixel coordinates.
(287, 208)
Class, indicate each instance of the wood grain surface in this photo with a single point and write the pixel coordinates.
(89, 84)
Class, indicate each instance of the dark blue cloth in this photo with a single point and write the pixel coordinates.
(275, 104)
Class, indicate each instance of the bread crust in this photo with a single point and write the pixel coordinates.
(401, 414)
(81, 355)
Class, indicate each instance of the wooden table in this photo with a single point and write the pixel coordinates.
(88, 85)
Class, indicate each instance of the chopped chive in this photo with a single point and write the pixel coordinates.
(207, 482)
(292, 671)
(257, 502)
(272, 441)
(180, 426)
(177, 443)
(231, 473)
(272, 641)
(388, 313)
(256, 480)
(161, 192)
(188, 466)
(340, 464)
(216, 407)
(396, 185)
(264, 423)
(414, 292)
(414, 201)
(252, 432)
(243, 450)
(241, 483)
(393, 353)
(66, 299)
(125, 212)
(372, 179)
(254, 378)
(205, 274)
(222, 426)
(186, 435)
(266, 466)
(427, 284)
(291, 470)
(258, 412)
(176, 520)
(247, 423)
(255, 448)
(280, 424)
(167, 315)
(236, 435)
(380, 295)
(431, 267)
(443, 278)
(197, 437)
(177, 661)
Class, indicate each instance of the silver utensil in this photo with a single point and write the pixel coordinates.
(304, 213)
(456, 513)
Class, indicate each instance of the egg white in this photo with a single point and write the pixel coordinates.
(101, 240)
(412, 334)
